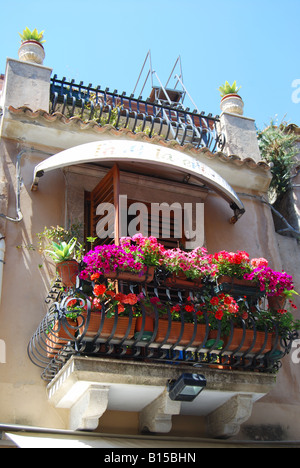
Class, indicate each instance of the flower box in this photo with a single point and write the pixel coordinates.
(93, 326)
(59, 334)
(237, 286)
(175, 331)
(236, 339)
(179, 280)
(132, 276)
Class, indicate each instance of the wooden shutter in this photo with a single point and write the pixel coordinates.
(158, 223)
(106, 191)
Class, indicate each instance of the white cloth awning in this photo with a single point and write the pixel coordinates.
(120, 151)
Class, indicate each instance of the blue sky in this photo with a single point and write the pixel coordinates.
(255, 42)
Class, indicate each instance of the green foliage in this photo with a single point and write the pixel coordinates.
(229, 89)
(34, 35)
(278, 149)
(59, 235)
(62, 251)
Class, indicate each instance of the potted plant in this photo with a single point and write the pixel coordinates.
(31, 49)
(231, 102)
(231, 271)
(63, 245)
(66, 266)
(129, 261)
(186, 269)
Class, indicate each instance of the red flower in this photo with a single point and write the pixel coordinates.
(219, 314)
(130, 299)
(99, 289)
(214, 301)
(189, 308)
(95, 276)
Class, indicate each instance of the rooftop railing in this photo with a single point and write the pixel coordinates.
(150, 336)
(154, 117)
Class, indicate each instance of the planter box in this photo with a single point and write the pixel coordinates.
(175, 333)
(248, 341)
(179, 280)
(59, 335)
(131, 276)
(238, 287)
(95, 322)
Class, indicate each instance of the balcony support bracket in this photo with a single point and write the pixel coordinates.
(157, 416)
(226, 420)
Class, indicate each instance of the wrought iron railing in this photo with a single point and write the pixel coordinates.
(172, 122)
(58, 337)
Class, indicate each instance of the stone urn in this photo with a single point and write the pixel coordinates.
(232, 104)
(31, 51)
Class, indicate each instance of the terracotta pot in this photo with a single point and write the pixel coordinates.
(131, 276)
(95, 322)
(59, 335)
(175, 333)
(68, 271)
(249, 337)
(179, 280)
(276, 302)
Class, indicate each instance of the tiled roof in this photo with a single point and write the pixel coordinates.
(93, 126)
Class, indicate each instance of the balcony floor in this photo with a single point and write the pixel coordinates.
(141, 387)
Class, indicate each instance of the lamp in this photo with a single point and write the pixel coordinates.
(186, 387)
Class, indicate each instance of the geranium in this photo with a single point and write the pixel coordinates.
(234, 264)
(220, 310)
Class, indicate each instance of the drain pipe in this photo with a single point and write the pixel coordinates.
(19, 216)
(18, 190)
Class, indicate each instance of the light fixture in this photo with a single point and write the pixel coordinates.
(187, 387)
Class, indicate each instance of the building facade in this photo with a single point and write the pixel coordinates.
(57, 156)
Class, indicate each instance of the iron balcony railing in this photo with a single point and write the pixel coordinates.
(58, 337)
(170, 121)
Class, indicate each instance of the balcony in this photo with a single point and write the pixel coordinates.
(92, 362)
(155, 116)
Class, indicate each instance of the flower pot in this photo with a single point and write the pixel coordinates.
(59, 335)
(147, 329)
(31, 51)
(179, 280)
(175, 333)
(95, 322)
(276, 302)
(237, 339)
(68, 271)
(132, 276)
(232, 104)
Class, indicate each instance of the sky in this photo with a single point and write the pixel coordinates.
(105, 42)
